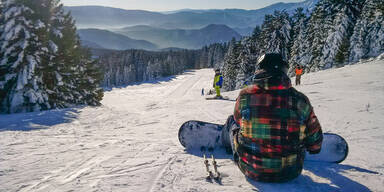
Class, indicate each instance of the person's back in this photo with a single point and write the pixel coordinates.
(277, 124)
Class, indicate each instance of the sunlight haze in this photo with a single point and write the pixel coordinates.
(169, 5)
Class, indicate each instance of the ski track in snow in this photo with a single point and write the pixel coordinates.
(130, 143)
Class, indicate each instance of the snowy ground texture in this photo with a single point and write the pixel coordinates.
(130, 143)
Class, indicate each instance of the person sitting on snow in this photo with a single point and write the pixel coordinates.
(272, 126)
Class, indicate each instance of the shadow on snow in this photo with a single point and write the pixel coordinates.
(329, 178)
(323, 177)
(37, 120)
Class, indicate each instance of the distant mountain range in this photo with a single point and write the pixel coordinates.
(189, 39)
(185, 28)
(106, 17)
(96, 38)
(165, 38)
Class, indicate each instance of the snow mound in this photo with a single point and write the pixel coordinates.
(381, 57)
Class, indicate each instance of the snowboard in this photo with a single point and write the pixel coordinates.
(198, 134)
(217, 98)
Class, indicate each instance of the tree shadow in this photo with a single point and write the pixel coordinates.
(318, 176)
(328, 178)
(37, 120)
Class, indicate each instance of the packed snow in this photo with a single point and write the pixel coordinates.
(130, 143)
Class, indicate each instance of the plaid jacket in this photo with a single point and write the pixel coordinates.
(277, 124)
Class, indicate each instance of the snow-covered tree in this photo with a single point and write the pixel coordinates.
(343, 16)
(241, 59)
(42, 65)
(299, 48)
(231, 65)
(328, 33)
(319, 24)
(276, 33)
(88, 79)
(22, 54)
(368, 36)
(69, 63)
(250, 52)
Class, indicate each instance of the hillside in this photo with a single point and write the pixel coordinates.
(130, 142)
(106, 17)
(189, 39)
(96, 38)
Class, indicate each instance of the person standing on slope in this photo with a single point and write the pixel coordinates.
(272, 126)
(299, 72)
(218, 82)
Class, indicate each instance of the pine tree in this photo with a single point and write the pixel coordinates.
(298, 54)
(249, 54)
(64, 45)
(88, 81)
(23, 52)
(342, 53)
(231, 65)
(241, 59)
(329, 31)
(344, 16)
(42, 64)
(276, 33)
(319, 24)
(368, 36)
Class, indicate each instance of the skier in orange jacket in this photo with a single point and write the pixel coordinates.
(299, 72)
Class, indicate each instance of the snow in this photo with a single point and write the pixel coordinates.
(32, 63)
(17, 101)
(381, 57)
(53, 46)
(39, 24)
(12, 12)
(22, 79)
(57, 33)
(59, 79)
(7, 77)
(9, 25)
(130, 143)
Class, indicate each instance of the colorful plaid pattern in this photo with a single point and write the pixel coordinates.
(276, 123)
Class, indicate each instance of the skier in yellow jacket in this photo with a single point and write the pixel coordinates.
(218, 82)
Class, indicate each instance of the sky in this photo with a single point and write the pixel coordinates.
(170, 5)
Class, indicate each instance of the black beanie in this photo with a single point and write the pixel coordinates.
(273, 62)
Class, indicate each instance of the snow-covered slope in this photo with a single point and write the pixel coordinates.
(130, 143)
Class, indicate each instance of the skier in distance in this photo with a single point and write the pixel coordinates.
(299, 72)
(218, 83)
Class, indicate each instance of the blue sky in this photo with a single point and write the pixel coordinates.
(167, 5)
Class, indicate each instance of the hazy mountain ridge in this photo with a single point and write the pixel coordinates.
(188, 28)
(110, 40)
(106, 17)
(191, 39)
